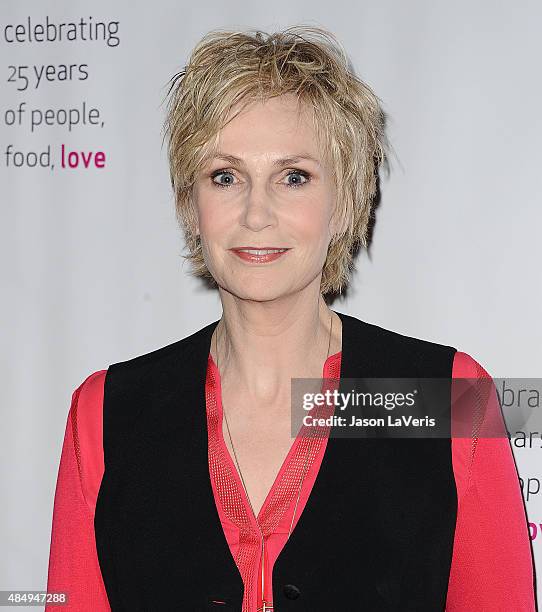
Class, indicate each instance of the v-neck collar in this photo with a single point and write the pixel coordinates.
(256, 521)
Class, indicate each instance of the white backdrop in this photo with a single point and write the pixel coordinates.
(92, 272)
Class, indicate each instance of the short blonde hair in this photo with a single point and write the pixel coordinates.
(230, 67)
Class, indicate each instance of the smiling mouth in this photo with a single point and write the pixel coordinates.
(261, 255)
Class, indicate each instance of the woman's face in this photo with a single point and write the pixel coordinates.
(267, 188)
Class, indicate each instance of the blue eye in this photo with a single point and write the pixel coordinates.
(305, 176)
(218, 173)
(294, 173)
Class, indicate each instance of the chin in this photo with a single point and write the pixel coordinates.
(259, 290)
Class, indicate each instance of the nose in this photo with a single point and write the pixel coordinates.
(259, 210)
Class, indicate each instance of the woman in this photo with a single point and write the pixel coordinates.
(179, 484)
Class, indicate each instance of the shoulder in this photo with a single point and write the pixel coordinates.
(359, 327)
(180, 362)
(475, 402)
(90, 388)
(125, 384)
(388, 348)
(180, 351)
(149, 383)
(465, 366)
(86, 424)
(477, 421)
(87, 400)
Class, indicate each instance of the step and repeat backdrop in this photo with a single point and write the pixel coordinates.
(91, 254)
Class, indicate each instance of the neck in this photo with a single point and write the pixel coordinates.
(262, 345)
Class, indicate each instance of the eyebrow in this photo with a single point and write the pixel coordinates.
(283, 161)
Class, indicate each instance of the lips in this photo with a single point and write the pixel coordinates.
(259, 254)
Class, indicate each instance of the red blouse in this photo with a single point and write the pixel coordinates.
(491, 565)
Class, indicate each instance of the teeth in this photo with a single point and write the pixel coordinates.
(261, 251)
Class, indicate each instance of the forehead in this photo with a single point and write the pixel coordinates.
(274, 126)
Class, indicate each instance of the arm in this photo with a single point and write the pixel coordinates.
(492, 568)
(73, 561)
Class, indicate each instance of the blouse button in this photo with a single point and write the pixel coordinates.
(291, 591)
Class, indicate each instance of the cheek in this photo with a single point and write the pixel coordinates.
(215, 229)
(312, 225)
(211, 222)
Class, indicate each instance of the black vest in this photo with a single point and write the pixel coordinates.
(377, 531)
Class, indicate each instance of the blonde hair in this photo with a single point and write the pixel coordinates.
(231, 67)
